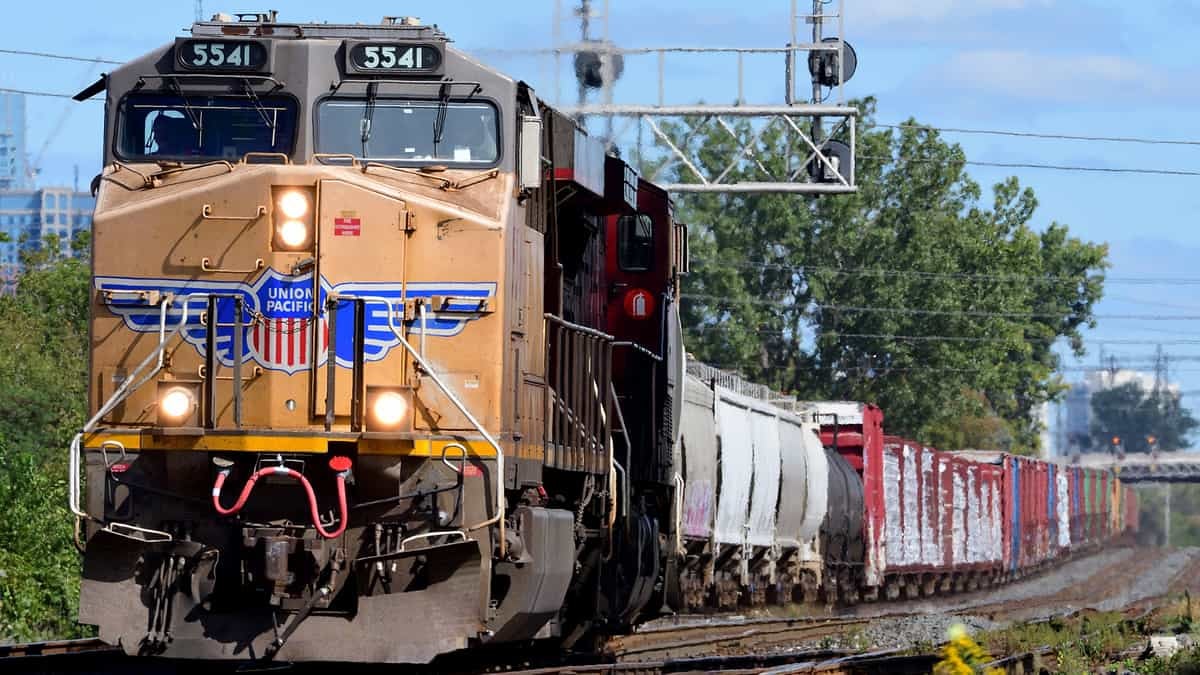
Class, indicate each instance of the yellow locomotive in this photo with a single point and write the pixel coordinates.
(356, 373)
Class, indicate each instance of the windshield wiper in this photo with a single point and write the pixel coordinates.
(476, 179)
(262, 111)
(439, 121)
(368, 117)
(187, 108)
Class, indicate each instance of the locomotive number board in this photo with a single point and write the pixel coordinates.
(221, 55)
(393, 58)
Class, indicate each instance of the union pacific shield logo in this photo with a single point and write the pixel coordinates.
(279, 329)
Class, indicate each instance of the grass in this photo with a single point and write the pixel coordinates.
(1080, 644)
(1098, 641)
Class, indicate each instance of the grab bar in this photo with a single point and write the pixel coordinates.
(206, 214)
(207, 266)
(132, 383)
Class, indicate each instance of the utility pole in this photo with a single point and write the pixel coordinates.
(199, 11)
(1167, 515)
(818, 19)
(1160, 370)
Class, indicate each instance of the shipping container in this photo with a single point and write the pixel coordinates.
(942, 510)
(985, 532)
(1035, 503)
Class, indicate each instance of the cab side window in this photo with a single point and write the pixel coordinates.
(635, 243)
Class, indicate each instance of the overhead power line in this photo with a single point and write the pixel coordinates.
(60, 57)
(954, 338)
(30, 92)
(870, 271)
(1048, 136)
(1051, 167)
(957, 338)
(998, 132)
(918, 369)
(947, 312)
(921, 127)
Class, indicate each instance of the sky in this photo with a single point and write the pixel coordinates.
(1079, 67)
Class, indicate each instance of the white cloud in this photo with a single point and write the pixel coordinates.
(1048, 77)
(877, 13)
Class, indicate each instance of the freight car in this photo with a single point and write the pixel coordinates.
(386, 362)
(900, 519)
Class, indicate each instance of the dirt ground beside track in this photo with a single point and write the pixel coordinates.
(1109, 580)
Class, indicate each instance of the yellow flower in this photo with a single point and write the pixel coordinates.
(961, 655)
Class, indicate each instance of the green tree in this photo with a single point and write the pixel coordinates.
(810, 294)
(39, 567)
(1140, 419)
(43, 327)
(43, 389)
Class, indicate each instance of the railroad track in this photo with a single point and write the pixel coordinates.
(81, 658)
(56, 648)
(722, 643)
(725, 638)
(826, 663)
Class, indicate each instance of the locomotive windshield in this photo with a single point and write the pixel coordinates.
(156, 126)
(459, 133)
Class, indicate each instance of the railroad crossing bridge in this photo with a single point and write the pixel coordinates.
(1165, 467)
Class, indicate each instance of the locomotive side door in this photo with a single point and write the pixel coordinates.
(362, 236)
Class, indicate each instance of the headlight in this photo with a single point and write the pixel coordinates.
(293, 204)
(293, 233)
(389, 409)
(294, 227)
(176, 404)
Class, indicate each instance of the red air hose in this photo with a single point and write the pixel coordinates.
(339, 464)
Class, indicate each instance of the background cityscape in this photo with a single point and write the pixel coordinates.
(29, 211)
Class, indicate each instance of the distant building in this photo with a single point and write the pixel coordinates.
(1041, 415)
(29, 214)
(28, 217)
(14, 157)
(1076, 433)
